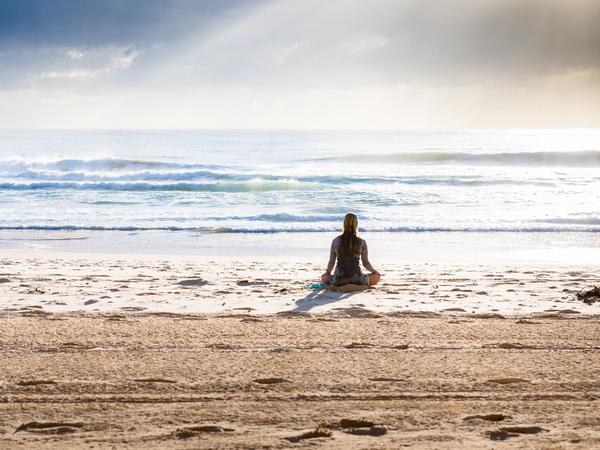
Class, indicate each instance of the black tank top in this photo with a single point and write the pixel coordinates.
(348, 264)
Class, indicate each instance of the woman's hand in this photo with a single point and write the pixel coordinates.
(326, 278)
(374, 278)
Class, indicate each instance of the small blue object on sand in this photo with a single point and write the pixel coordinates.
(316, 286)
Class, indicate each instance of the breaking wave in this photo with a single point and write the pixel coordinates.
(587, 158)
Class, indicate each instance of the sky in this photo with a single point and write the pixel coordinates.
(299, 64)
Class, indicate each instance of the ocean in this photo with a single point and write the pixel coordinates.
(181, 186)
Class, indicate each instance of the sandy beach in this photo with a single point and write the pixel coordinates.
(70, 282)
(177, 178)
(111, 380)
(116, 351)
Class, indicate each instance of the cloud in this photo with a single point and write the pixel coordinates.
(97, 62)
(454, 62)
(74, 54)
(366, 42)
(312, 43)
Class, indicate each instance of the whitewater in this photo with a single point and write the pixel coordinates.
(510, 181)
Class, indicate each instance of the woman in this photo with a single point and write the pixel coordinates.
(349, 249)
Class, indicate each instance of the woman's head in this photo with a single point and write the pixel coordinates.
(350, 239)
(351, 224)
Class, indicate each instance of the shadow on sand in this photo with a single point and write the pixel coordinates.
(320, 297)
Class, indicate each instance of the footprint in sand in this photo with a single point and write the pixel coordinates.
(35, 382)
(361, 427)
(50, 427)
(358, 345)
(488, 417)
(318, 433)
(385, 379)
(154, 380)
(193, 282)
(189, 432)
(272, 380)
(506, 432)
(371, 431)
(252, 283)
(507, 380)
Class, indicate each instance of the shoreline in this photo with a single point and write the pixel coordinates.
(552, 248)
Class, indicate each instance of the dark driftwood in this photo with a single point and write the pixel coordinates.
(589, 295)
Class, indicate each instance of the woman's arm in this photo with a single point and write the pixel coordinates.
(332, 256)
(364, 255)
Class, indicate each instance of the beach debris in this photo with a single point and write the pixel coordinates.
(189, 432)
(506, 432)
(193, 282)
(317, 433)
(90, 302)
(50, 427)
(312, 286)
(589, 295)
(272, 380)
(4, 280)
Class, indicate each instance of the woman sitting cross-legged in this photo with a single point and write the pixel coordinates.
(349, 249)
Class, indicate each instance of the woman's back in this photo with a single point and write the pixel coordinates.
(348, 250)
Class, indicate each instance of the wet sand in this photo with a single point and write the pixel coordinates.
(418, 380)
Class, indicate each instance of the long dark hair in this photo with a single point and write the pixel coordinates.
(350, 239)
